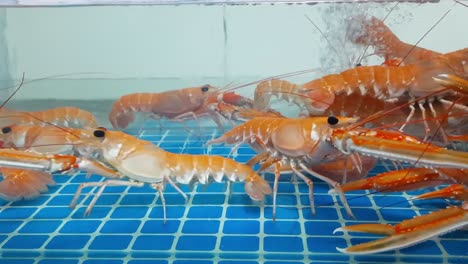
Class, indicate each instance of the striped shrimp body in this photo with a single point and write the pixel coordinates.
(303, 143)
(382, 83)
(171, 104)
(142, 162)
(385, 83)
(61, 116)
(365, 90)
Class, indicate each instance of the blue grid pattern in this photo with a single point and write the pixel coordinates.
(215, 225)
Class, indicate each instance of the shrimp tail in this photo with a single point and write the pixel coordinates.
(20, 184)
(256, 187)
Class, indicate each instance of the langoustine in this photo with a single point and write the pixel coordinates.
(365, 90)
(27, 174)
(179, 105)
(302, 144)
(144, 163)
(24, 183)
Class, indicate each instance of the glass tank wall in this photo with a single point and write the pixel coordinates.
(87, 54)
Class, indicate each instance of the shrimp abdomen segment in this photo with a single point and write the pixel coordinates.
(186, 168)
(257, 129)
(280, 88)
(384, 82)
(63, 116)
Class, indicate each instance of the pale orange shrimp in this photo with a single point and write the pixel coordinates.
(26, 183)
(144, 163)
(27, 174)
(303, 143)
(61, 116)
(171, 104)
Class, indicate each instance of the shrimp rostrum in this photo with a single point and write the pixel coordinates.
(302, 144)
(144, 163)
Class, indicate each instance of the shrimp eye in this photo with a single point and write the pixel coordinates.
(99, 133)
(205, 88)
(358, 65)
(332, 120)
(6, 130)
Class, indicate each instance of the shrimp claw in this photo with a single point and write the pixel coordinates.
(408, 232)
(453, 82)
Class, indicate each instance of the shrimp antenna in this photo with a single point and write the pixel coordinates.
(50, 124)
(275, 77)
(55, 76)
(28, 114)
(14, 92)
(425, 34)
(363, 55)
(326, 39)
(228, 86)
(458, 2)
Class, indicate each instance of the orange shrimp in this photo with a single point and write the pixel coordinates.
(374, 32)
(61, 116)
(303, 143)
(143, 162)
(23, 183)
(364, 90)
(384, 83)
(27, 174)
(174, 104)
(26, 183)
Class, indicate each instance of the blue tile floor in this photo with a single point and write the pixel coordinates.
(217, 224)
